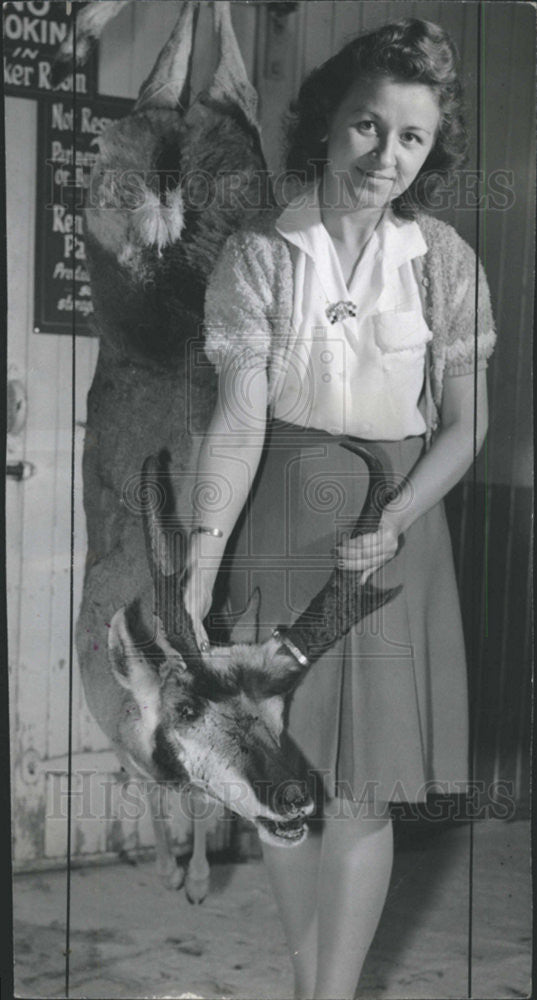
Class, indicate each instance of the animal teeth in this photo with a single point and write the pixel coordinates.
(289, 829)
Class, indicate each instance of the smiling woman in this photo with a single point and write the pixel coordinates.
(425, 62)
(378, 140)
(382, 715)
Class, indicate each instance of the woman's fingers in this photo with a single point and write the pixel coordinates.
(367, 552)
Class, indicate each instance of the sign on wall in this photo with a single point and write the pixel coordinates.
(66, 152)
(32, 33)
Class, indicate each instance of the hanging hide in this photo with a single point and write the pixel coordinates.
(150, 250)
(168, 187)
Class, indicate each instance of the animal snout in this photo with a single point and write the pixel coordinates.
(292, 799)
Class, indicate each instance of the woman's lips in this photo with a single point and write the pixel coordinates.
(379, 177)
(371, 177)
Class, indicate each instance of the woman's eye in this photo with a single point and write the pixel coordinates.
(366, 126)
(410, 138)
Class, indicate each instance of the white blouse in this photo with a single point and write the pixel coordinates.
(362, 375)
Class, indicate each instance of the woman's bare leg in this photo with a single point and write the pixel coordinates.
(293, 874)
(354, 875)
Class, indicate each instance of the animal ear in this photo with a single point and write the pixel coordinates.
(282, 671)
(128, 664)
(246, 624)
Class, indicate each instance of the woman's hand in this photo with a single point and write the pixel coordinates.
(370, 551)
(227, 464)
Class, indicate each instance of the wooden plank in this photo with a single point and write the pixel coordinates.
(428, 11)
(347, 22)
(319, 34)
(299, 71)
(275, 77)
(20, 117)
(30, 621)
(89, 734)
(375, 13)
(206, 50)
(398, 9)
(244, 20)
(153, 23)
(511, 144)
(61, 564)
(94, 810)
(115, 49)
(37, 553)
(58, 652)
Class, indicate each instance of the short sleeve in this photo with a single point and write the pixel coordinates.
(469, 334)
(237, 304)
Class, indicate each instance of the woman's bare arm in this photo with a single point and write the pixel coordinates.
(227, 464)
(433, 476)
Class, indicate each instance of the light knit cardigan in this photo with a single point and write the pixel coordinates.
(249, 305)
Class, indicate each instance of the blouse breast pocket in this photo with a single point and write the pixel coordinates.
(400, 337)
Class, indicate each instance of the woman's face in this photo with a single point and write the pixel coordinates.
(378, 140)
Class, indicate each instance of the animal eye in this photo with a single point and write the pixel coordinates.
(187, 712)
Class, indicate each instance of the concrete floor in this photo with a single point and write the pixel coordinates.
(131, 938)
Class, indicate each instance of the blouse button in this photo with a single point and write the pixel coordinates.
(425, 282)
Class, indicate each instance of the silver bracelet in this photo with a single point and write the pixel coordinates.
(202, 530)
(290, 646)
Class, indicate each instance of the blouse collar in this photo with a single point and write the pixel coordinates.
(396, 240)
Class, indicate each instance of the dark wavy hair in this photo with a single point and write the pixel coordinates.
(411, 50)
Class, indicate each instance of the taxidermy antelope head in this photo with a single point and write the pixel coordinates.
(215, 718)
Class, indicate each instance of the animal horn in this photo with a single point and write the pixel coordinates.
(343, 601)
(160, 525)
(90, 22)
(230, 81)
(167, 85)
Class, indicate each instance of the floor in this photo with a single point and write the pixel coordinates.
(132, 938)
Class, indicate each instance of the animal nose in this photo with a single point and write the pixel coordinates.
(293, 799)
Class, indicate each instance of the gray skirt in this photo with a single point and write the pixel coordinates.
(383, 715)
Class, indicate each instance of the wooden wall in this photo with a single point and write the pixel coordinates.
(277, 61)
(491, 524)
(277, 55)
(506, 236)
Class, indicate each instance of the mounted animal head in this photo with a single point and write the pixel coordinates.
(215, 718)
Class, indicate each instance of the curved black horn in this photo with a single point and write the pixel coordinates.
(165, 543)
(379, 492)
(343, 601)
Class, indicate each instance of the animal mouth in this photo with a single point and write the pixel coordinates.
(284, 831)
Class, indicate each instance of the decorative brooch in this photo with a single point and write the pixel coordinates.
(336, 311)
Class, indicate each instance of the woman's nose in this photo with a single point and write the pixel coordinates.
(384, 153)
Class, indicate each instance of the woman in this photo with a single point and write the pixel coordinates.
(352, 312)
